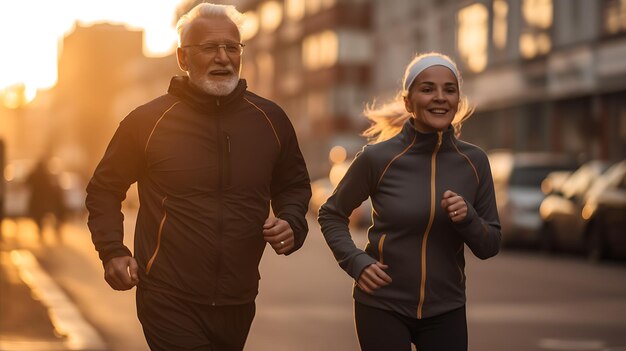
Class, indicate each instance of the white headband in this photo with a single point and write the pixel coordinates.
(419, 65)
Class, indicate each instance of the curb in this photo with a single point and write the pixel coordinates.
(78, 335)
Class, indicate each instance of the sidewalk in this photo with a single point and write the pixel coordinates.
(35, 313)
(24, 321)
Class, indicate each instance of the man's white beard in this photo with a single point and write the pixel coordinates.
(220, 88)
(212, 87)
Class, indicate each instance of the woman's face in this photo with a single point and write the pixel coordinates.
(433, 99)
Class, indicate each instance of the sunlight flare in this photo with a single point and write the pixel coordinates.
(31, 52)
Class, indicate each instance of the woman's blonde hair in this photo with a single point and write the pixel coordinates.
(387, 119)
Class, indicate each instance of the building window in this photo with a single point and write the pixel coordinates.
(271, 15)
(294, 9)
(17, 95)
(320, 50)
(328, 3)
(500, 23)
(622, 124)
(250, 25)
(265, 73)
(317, 105)
(292, 58)
(472, 36)
(356, 46)
(614, 16)
(315, 6)
(290, 63)
(535, 38)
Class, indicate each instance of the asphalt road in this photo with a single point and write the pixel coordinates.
(517, 301)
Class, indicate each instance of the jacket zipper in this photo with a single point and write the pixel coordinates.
(219, 205)
(228, 166)
(160, 232)
(433, 173)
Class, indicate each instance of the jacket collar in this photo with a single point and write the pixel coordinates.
(181, 88)
(426, 141)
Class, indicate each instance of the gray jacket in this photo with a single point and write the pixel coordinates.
(405, 178)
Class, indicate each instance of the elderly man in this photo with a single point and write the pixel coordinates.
(208, 158)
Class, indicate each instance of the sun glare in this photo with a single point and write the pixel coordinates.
(31, 33)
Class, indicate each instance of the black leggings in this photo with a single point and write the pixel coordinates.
(382, 330)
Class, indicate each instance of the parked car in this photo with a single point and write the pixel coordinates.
(517, 181)
(588, 214)
(554, 181)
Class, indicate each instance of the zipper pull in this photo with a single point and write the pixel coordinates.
(439, 138)
(228, 142)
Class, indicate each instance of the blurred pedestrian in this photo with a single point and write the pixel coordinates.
(208, 157)
(431, 195)
(46, 197)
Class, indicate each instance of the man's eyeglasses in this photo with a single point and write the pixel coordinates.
(212, 48)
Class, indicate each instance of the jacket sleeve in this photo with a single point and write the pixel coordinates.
(291, 187)
(353, 189)
(118, 169)
(481, 227)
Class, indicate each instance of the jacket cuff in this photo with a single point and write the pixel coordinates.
(118, 251)
(299, 233)
(360, 262)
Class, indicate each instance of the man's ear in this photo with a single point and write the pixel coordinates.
(181, 56)
(407, 104)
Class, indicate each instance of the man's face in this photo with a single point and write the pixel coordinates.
(215, 71)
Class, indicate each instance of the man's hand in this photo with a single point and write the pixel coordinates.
(278, 234)
(121, 272)
(455, 205)
(373, 277)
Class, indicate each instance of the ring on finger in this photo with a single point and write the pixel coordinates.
(454, 213)
(282, 243)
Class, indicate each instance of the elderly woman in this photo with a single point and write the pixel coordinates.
(431, 195)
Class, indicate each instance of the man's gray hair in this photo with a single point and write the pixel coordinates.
(208, 10)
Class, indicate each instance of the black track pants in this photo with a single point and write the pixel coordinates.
(172, 324)
(382, 330)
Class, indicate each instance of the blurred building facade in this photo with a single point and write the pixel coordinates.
(544, 74)
(103, 75)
